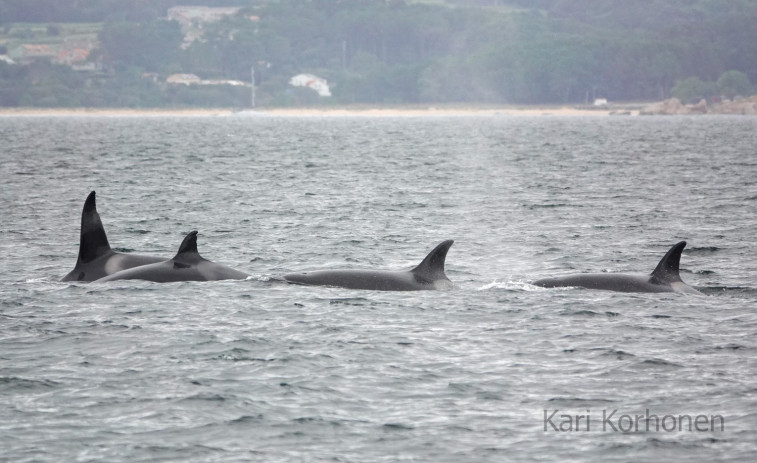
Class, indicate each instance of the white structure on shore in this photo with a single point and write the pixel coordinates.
(196, 15)
(309, 80)
(192, 79)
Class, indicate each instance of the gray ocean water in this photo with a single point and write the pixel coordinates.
(258, 370)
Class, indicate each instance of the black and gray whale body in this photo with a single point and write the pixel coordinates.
(96, 258)
(664, 279)
(187, 265)
(428, 275)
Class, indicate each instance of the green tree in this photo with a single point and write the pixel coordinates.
(152, 46)
(734, 83)
(693, 89)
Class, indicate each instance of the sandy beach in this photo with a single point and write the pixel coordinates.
(442, 111)
(113, 112)
(319, 112)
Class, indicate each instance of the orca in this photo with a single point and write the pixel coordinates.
(96, 258)
(428, 275)
(664, 279)
(187, 265)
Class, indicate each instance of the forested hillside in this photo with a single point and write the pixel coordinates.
(376, 51)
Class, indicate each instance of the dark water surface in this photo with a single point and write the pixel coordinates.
(257, 370)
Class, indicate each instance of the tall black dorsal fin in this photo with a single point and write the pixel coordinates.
(93, 242)
(188, 249)
(432, 267)
(668, 268)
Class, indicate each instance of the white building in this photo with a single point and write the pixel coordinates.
(192, 79)
(196, 15)
(309, 80)
(193, 19)
(184, 79)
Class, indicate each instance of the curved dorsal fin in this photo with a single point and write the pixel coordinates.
(188, 249)
(432, 267)
(668, 268)
(93, 242)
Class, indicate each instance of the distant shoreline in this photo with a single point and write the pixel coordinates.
(368, 111)
(743, 106)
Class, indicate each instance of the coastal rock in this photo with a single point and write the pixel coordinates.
(699, 108)
(673, 106)
(741, 106)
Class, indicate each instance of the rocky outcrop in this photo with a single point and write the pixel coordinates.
(741, 106)
(699, 108)
(674, 107)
